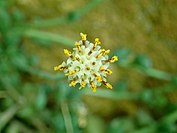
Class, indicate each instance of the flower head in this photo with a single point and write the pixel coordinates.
(87, 64)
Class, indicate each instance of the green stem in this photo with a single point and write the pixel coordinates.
(49, 37)
(152, 72)
(112, 94)
(44, 74)
(7, 116)
(67, 117)
(157, 74)
(71, 17)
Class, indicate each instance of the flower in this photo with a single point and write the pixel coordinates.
(87, 64)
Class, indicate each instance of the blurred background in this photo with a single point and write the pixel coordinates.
(36, 99)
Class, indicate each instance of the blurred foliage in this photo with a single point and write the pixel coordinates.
(33, 100)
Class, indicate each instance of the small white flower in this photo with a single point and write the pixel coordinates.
(87, 64)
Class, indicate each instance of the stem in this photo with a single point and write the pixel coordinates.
(49, 37)
(152, 72)
(67, 117)
(44, 74)
(157, 74)
(7, 116)
(113, 95)
(65, 19)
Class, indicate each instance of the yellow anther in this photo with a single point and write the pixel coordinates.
(99, 78)
(97, 41)
(82, 84)
(60, 67)
(93, 86)
(108, 71)
(67, 52)
(83, 36)
(102, 50)
(101, 53)
(102, 68)
(73, 83)
(71, 72)
(107, 51)
(113, 59)
(76, 58)
(77, 44)
(56, 68)
(108, 85)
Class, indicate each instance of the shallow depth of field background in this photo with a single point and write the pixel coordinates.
(36, 99)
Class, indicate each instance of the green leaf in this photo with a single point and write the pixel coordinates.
(18, 16)
(143, 61)
(166, 127)
(121, 125)
(146, 96)
(5, 20)
(41, 98)
(144, 118)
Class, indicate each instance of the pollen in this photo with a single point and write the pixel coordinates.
(70, 73)
(99, 78)
(97, 41)
(87, 65)
(73, 83)
(108, 85)
(77, 44)
(60, 67)
(113, 59)
(83, 83)
(83, 36)
(93, 86)
(67, 52)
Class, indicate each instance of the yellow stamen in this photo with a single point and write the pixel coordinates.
(102, 68)
(60, 67)
(83, 83)
(77, 44)
(56, 68)
(101, 53)
(107, 51)
(108, 85)
(67, 52)
(98, 78)
(102, 50)
(93, 86)
(71, 72)
(113, 59)
(83, 36)
(108, 71)
(73, 83)
(77, 58)
(97, 41)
